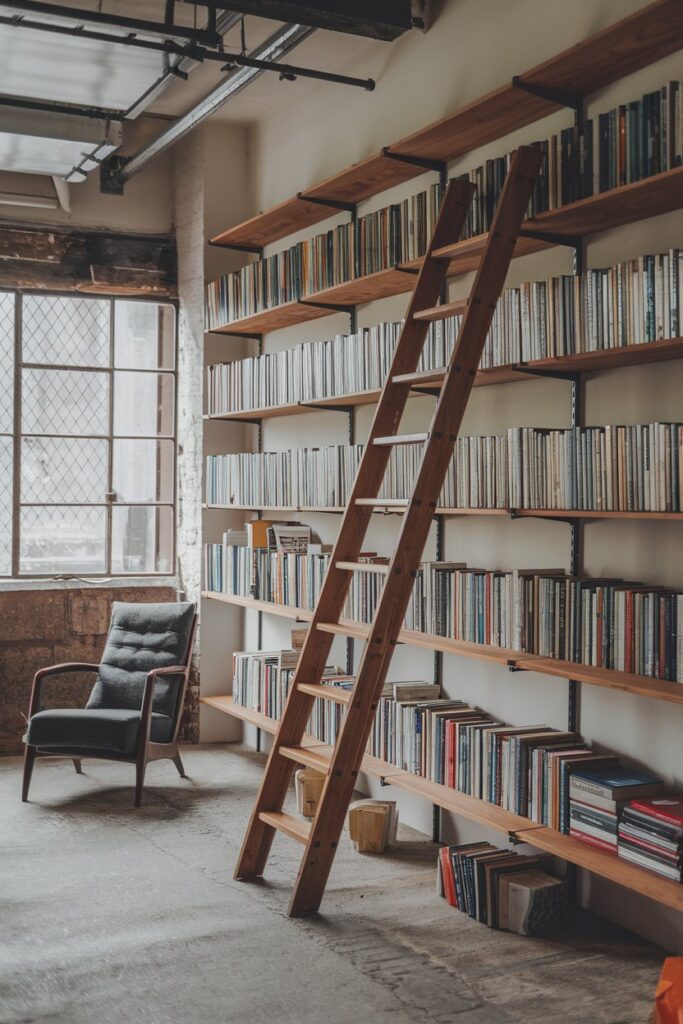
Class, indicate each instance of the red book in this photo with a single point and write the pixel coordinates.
(650, 848)
(448, 876)
(666, 808)
(593, 841)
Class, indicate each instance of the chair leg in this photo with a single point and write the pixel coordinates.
(179, 765)
(29, 760)
(140, 767)
(77, 765)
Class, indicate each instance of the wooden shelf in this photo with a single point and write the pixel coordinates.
(606, 865)
(658, 194)
(620, 49)
(287, 315)
(524, 513)
(643, 686)
(580, 362)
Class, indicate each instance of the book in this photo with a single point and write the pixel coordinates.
(533, 903)
(619, 783)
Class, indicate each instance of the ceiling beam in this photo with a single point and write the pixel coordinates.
(376, 19)
(17, 120)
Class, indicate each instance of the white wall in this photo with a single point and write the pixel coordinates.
(476, 45)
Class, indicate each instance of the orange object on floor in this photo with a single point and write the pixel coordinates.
(669, 993)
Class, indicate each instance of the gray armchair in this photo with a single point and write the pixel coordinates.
(133, 713)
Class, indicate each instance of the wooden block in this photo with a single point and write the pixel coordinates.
(372, 825)
(298, 637)
(308, 784)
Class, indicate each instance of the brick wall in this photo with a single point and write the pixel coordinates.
(47, 626)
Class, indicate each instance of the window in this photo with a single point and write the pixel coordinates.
(87, 436)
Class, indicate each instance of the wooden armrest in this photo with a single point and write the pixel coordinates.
(146, 710)
(53, 670)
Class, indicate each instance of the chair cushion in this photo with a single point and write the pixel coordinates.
(113, 729)
(143, 637)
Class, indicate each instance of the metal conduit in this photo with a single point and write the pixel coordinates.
(280, 43)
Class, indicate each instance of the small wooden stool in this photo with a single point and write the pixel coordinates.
(373, 824)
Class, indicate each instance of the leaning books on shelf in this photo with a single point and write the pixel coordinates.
(612, 468)
(651, 834)
(597, 797)
(607, 622)
(625, 145)
(632, 303)
(503, 889)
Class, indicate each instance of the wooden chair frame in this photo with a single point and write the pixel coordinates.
(145, 749)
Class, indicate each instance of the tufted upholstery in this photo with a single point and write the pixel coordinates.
(142, 637)
(114, 730)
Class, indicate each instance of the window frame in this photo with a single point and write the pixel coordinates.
(109, 503)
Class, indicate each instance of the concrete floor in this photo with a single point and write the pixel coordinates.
(112, 914)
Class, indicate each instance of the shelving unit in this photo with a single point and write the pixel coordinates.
(627, 682)
(632, 43)
(489, 815)
(564, 81)
(516, 373)
(650, 197)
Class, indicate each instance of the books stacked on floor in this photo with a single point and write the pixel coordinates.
(635, 468)
(632, 303)
(503, 889)
(597, 797)
(650, 834)
(608, 623)
(624, 145)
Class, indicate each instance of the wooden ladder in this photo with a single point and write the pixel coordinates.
(320, 837)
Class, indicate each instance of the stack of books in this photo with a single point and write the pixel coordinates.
(502, 889)
(597, 797)
(651, 834)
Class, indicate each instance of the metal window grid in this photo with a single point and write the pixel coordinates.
(108, 437)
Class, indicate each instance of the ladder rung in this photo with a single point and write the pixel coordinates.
(396, 439)
(380, 567)
(333, 693)
(443, 311)
(383, 502)
(357, 630)
(295, 828)
(309, 756)
(422, 378)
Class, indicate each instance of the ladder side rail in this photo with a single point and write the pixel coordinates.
(355, 521)
(396, 594)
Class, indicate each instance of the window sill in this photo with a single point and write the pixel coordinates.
(117, 583)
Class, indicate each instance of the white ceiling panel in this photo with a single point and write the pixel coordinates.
(34, 155)
(66, 69)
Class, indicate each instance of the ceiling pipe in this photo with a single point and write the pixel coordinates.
(179, 67)
(278, 45)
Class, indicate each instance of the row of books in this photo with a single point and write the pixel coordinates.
(261, 681)
(635, 468)
(547, 775)
(632, 303)
(502, 888)
(606, 622)
(629, 143)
